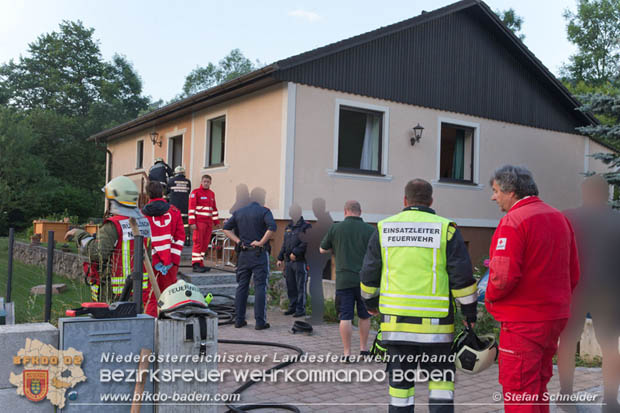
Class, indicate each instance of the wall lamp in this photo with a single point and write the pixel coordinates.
(155, 139)
(416, 134)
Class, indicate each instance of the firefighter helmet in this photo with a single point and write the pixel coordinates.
(474, 354)
(159, 159)
(180, 294)
(179, 170)
(122, 190)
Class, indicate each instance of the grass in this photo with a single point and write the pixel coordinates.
(29, 308)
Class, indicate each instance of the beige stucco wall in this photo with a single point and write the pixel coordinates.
(254, 135)
(556, 160)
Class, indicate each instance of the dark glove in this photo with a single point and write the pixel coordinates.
(470, 312)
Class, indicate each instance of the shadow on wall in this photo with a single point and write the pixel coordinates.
(317, 261)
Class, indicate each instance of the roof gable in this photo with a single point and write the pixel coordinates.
(459, 58)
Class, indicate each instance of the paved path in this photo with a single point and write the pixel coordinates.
(473, 393)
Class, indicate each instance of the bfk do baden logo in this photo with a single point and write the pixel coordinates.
(48, 372)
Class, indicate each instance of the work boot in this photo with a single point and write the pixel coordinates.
(289, 312)
(297, 315)
(263, 327)
(241, 324)
(199, 268)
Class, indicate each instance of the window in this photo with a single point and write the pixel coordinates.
(175, 151)
(140, 154)
(360, 136)
(456, 163)
(216, 132)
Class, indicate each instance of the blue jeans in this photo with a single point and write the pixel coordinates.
(252, 263)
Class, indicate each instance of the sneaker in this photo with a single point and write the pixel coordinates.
(289, 312)
(263, 327)
(199, 268)
(347, 359)
(241, 324)
(296, 315)
(206, 269)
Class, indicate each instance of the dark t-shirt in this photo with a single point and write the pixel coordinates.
(348, 241)
(250, 223)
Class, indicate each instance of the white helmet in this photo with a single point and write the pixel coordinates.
(179, 170)
(474, 354)
(179, 295)
(122, 190)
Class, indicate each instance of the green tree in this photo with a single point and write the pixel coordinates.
(595, 30)
(607, 106)
(65, 91)
(512, 20)
(230, 67)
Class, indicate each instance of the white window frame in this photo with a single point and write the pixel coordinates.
(224, 164)
(384, 141)
(476, 167)
(170, 136)
(141, 168)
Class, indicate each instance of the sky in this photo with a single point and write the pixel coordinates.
(166, 40)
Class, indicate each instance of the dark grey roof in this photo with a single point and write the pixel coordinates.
(459, 58)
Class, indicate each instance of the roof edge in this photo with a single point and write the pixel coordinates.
(185, 103)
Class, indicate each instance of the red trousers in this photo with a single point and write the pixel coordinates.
(163, 281)
(201, 239)
(526, 353)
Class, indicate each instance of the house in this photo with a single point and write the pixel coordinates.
(336, 123)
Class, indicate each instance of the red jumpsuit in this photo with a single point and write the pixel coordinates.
(167, 238)
(203, 213)
(533, 270)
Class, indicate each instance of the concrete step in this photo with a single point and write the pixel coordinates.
(209, 278)
(226, 289)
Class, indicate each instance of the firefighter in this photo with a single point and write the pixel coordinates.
(202, 217)
(415, 265)
(160, 171)
(179, 188)
(110, 252)
(168, 237)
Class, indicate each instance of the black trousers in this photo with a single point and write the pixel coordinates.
(296, 275)
(423, 362)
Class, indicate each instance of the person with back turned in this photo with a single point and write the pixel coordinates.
(251, 228)
(415, 266)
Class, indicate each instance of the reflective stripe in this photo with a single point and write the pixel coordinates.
(423, 297)
(434, 270)
(191, 211)
(85, 241)
(462, 292)
(402, 402)
(368, 292)
(204, 207)
(402, 393)
(175, 251)
(162, 248)
(161, 238)
(126, 258)
(416, 337)
(387, 271)
(204, 214)
(195, 254)
(179, 242)
(441, 394)
(468, 299)
(441, 385)
(405, 307)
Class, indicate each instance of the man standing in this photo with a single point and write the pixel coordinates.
(251, 228)
(348, 240)
(415, 265)
(597, 231)
(203, 216)
(532, 272)
(168, 237)
(160, 171)
(179, 188)
(178, 191)
(110, 253)
(293, 253)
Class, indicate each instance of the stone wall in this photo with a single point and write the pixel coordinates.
(67, 264)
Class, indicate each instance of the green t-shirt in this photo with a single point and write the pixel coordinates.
(348, 240)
